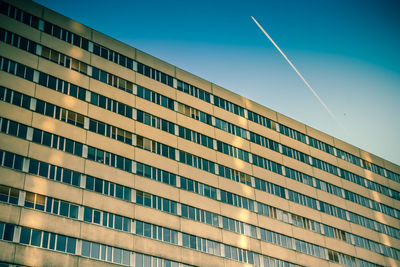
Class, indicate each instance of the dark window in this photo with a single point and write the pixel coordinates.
(64, 208)
(25, 235)
(8, 159)
(85, 248)
(69, 146)
(96, 216)
(67, 176)
(71, 245)
(77, 40)
(76, 179)
(73, 211)
(118, 222)
(44, 170)
(87, 215)
(33, 166)
(20, 70)
(46, 139)
(22, 131)
(37, 136)
(18, 161)
(61, 243)
(36, 238)
(78, 149)
(45, 240)
(89, 182)
(119, 192)
(8, 232)
(98, 187)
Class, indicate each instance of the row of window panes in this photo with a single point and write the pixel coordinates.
(202, 244)
(197, 162)
(198, 188)
(111, 79)
(298, 155)
(17, 41)
(58, 113)
(126, 164)
(69, 245)
(194, 113)
(110, 104)
(109, 159)
(230, 224)
(193, 90)
(125, 61)
(229, 106)
(234, 175)
(155, 174)
(230, 128)
(155, 97)
(155, 74)
(47, 240)
(156, 232)
(108, 188)
(195, 137)
(236, 200)
(155, 147)
(233, 151)
(156, 202)
(265, 142)
(110, 131)
(266, 164)
(107, 219)
(155, 122)
(66, 145)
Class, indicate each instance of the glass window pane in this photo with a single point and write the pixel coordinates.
(85, 248)
(61, 240)
(96, 216)
(8, 159)
(45, 240)
(89, 182)
(36, 237)
(64, 207)
(98, 186)
(117, 255)
(52, 241)
(25, 235)
(119, 193)
(67, 176)
(33, 166)
(127, 225)
(87, 216)
(71, 245)
(95, 253)
(126, 257)
(73, 213)
(118, 222)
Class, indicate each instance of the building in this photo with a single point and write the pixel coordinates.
(111, 156)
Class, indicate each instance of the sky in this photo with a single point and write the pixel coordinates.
(348, 51)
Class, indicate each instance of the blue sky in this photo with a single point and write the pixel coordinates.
(347, 50)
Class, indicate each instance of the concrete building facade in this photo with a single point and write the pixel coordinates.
(111, 156)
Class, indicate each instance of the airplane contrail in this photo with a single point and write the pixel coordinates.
(298, 73)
